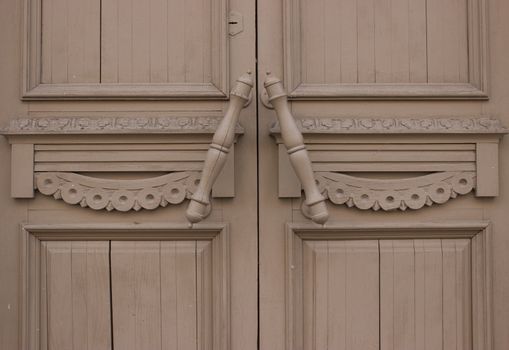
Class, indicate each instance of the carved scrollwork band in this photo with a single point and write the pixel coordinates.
(413, 193)
(120, 195)
(115, 125)
(397, 125)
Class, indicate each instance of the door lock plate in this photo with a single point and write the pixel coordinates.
(235, 23)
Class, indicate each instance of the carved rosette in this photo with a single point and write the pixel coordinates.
(413, 193)
(120, 195)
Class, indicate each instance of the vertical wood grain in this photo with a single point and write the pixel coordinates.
(362, 322)
(308, 267)
(337, 272)
(383, 38)
(204, 295)
(77, 295)
(140, 41)
(70, 41)
(135, 278)
(349, 41)
(399, 41)
(159, 41)
(313, 32)
(433, 320)
(320, 294)
(366, 41)
(59, 295)
(169, 301)
(332, 44)
(417, 34)
(185, 265)
(162, 294)
(384, 41)
(340, 294)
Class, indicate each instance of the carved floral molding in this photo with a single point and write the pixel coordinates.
(120, 195)
(397, 125)
(413, 193)
(113, 125)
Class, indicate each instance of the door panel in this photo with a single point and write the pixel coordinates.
(75, 296)
(379, 294)
(340, 294)
(162, 295)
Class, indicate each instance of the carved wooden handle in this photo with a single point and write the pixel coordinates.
(199, 206)
(314, 205)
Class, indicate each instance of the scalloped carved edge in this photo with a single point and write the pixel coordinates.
(397, 125)
(120, 195)
(109, 125)
(413, 193)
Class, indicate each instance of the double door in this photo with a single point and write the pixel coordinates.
(387, 96)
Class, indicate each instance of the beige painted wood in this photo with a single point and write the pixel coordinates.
(22, 173)
(76, 295)
(157, 43)
(487, 169)
(407, 270)
(397, 49)
(159, 289)
(424, 300)
(116, 49)
(222, 141)
(256, 215)
(70, 35)
(315, 207)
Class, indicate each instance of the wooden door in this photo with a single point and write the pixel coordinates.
(107, 126)
(110, 107)
(382, 92)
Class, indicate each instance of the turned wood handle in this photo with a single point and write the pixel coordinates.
(299, 158)
(199, 206)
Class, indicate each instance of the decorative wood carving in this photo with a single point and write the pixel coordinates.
(398, 125)
(222, 141)
(113, 144)
(385, 50)
(121, 195)
(113, 125)
(314, 206)
(442, 147)
(413, 193)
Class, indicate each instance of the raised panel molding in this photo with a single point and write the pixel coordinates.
(452, 156)
(355, 286)
(55, 155)
(50, 282)
(385, 50)
(73, 50)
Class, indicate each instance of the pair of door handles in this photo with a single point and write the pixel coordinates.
(313, 206)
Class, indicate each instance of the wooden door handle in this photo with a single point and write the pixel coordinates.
(199, 206)
(314, 205)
